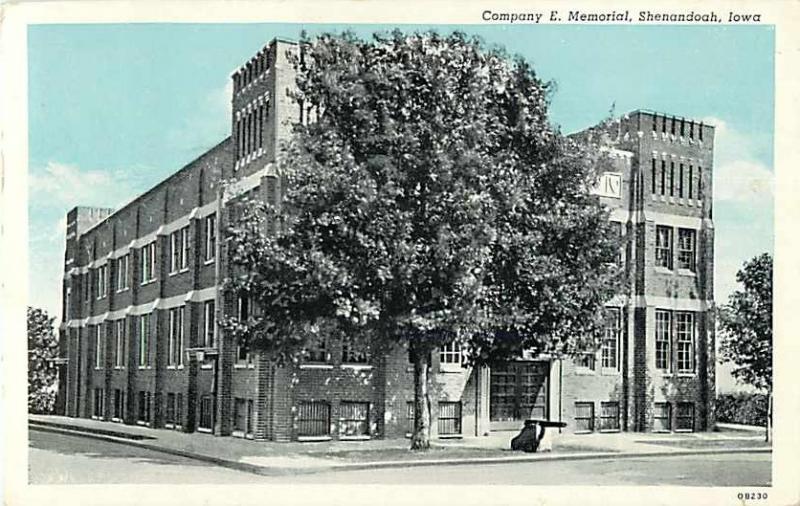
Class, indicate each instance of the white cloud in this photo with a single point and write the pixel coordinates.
(64, 184)
(738, 174)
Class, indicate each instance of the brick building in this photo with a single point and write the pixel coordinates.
(141, 300)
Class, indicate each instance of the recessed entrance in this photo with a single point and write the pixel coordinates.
(517, 391)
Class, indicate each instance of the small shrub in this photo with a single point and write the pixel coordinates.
(743, 408)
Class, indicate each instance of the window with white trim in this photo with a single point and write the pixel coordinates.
(353, 352)
(662, 417)
(449, 419)
(98, 348)
(584, 417)
(102, 281)
(684, 417)
(684, 334)
(122, 273)
(211, 237)
(451, 354)
(185, 248)
(144, 340)
(663, 340)
(148, 262)
(609, 348)
(119, 343)
(664, 247)
(209, 324)
(175, 345)
(175, 251)
(686, 249)
(609, 416)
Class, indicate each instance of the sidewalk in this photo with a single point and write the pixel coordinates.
(286, 458)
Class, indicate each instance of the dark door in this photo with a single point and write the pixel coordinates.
(517, 391)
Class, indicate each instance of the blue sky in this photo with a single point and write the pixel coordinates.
(113, 109)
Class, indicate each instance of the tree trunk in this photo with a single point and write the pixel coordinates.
(421, 438)
(768, 435)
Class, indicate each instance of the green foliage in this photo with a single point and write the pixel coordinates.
(745, 323)
(430, 199)
(742, 408)
(427, 199)
(42, 347)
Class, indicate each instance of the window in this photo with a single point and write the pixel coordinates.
(680, 178)
(143, 403)
(175, 252)
(87, 288)
(662, 417)
(98, 405)
(585, 361)
(174, 412)
(175, 347)
(119, 404)
(318, 350)
(98, 348)
(353, 352)
(148, 262)
(664, 247)
(663, 176)
(185, 243)
(584, 417)
(672, 178)
(609, 349)
(684, 417)
(691, 180)
(686, 249)
(683, 126)
(609, 416)
(144, 340)
(699, 182)
(353, 418)
(122, 273)
(449, 418)
(169, 417)
(209, 323)
(211, 237)
(450, 354)
(684, 333)
(243, 417)
(313, 419)
(653, 176)
(119, 344)
(663, 340)
(206, 413)
(102, 281)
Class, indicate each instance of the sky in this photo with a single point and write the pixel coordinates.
(116, 108)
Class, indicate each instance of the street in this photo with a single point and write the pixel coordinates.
(57, 458)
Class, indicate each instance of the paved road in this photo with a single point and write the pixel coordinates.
(56, 458)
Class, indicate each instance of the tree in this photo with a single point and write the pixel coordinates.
(745, 324)
(426, 199)
(42, 348)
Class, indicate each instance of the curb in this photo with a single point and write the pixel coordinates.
(356, 466)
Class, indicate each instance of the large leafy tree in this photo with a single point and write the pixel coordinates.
(745, 323)
(42, 349)
(426, 199)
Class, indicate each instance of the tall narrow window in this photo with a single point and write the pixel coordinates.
(671, 179)
(655, 122)
(609, 350)
(209, 320)
(122, 273)
(663, 340)
(144, 340)
(175, 344)
(175, 252)
(653, 176)
(238, 138)
(684, 333)
(98, 348)
(664, 124)
(211, 237)
(664, 247)
(683, 126)
(672, 126)
(663, 177)
(261, 125)
(686, 249)
(119, 343)
(691, 129)
(691, 181)
(684, 417)
(680, 181)
(700, 131)
(185, 244)
(662, 417)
